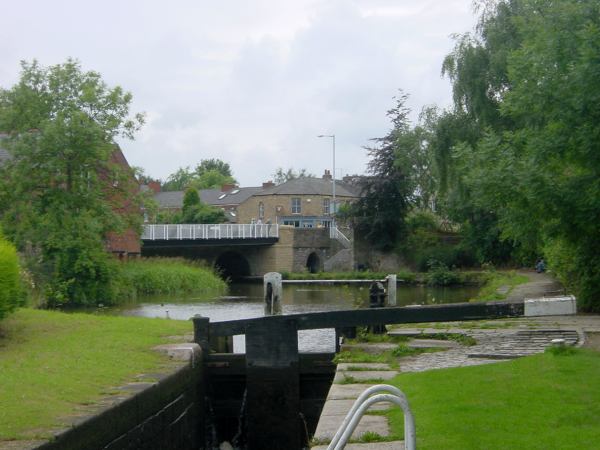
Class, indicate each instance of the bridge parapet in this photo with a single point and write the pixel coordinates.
(209, 231)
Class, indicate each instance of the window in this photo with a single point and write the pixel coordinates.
(326, 206)
(261, 210)
(296, 206)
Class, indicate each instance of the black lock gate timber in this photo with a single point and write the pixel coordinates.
(272, 359)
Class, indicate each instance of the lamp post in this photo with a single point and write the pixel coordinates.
(332, 136)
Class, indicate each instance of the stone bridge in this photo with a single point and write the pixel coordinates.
(251, 249)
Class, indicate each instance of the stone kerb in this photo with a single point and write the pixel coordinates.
(551, 306)
(167, 413)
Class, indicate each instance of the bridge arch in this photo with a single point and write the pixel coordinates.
(232, 264)
(313, 263)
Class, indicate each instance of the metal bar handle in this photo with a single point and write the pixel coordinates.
(362, 403)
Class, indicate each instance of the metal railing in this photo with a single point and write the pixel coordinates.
(209, 231)
(335, 233)
(362, 404)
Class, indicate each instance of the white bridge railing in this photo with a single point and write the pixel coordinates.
(335, 233)
(209, 231)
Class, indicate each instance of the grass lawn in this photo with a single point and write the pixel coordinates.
(545, 401)
(53, 363)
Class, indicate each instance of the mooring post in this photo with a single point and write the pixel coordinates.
(273, 386)
(202, 332)
(377, 300)
(391, 289)
(273, 293)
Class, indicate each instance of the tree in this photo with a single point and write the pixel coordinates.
(211, 179)
(209, 174)
(195, 211)
(280, 176)
(536, 162)
(179, 180)
(215, 164)
(58, 192)
(388, 191)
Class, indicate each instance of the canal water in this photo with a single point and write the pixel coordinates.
(245, 300)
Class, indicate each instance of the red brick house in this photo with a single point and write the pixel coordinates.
(127, 243)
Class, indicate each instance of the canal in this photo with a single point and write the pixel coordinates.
(245, 300)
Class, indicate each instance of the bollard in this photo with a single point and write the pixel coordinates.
(377, 300)
(273, 291)
(391, 289)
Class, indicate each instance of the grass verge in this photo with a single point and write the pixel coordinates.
(387, 356)
(52, 363)
(546, 401)
(498, 285)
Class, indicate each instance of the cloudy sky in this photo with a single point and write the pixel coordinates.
(250, 82)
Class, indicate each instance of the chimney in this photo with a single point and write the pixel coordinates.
(154, 186)
(268, 184)
(228, 187)
(327, 175)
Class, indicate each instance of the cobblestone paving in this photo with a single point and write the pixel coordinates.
(492, 346)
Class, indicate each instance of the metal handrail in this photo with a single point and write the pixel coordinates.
(335, 233)
(362, 404)
(153, 232)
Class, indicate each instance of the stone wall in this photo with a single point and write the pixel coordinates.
(167, 414)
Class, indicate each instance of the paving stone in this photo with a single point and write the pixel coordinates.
(412, 332)
(432, 343)
(341, 407)
(370, 348)
(328, 426)
(364, 375)
(345, 391)
(371, 366)
(394, 445)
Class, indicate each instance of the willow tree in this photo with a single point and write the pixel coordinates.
(535, 86)
(59, 186)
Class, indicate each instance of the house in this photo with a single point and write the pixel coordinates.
(228, 198)
(127, 243)
(304, 202)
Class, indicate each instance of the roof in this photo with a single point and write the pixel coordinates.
(312, 186)
(215, 197)
(235, 196)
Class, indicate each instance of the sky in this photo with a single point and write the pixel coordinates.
(250, 82)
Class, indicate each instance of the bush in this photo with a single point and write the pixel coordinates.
(11, 294)
(426, 242)
(577, 267)
(440, 275)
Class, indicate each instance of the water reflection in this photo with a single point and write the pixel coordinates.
(245, 301)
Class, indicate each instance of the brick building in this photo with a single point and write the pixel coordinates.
(302, 202)
(305, 202)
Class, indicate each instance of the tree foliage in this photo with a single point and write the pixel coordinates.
(387, 192)
(283, 176)
(11, 294)
(60, 191)
(530, 82)
(209, 174)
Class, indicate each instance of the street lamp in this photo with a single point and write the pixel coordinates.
(332, 136)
